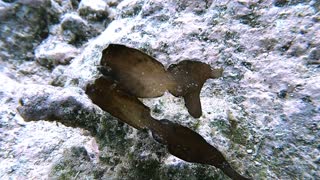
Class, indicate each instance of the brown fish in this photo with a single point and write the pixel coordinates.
(140, 74)
(181, 141)
(145, 77)
(188, 145)
(130, 73)
(110, 97)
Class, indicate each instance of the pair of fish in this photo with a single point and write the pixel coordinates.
(129, 74)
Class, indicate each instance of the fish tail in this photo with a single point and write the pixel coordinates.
(228, 170)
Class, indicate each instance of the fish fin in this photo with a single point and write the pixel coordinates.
(193, 104)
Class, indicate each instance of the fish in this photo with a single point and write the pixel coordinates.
(128, 74)
(190, 146)
(144, 77)
(180, 141)
(110, 97)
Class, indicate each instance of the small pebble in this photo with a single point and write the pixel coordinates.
(257, 163)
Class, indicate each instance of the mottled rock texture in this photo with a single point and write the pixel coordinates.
(263, 115)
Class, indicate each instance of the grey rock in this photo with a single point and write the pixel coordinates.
(35, 3)
(75, 29)
(58, 78)
(78, 158)
(74, 4)
(315, 54)
(24, 143)
(24, 25)
(197, 6)
(66, 105)
(96, 10)
(130, 8)
(281, 3)
(113, 2)
(52, 53)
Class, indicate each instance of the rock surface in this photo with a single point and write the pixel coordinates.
(263, 115)
(51, 53)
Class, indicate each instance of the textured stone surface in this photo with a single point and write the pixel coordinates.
(93, 10)
(24, 25)
(27, 150)
(263, 114)
(52, 53)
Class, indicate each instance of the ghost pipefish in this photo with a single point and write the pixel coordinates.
(118, 94)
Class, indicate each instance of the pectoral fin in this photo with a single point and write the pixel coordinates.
(193, 104)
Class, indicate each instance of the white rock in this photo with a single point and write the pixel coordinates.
(51, 53)
(94, 5)
(93, 9)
